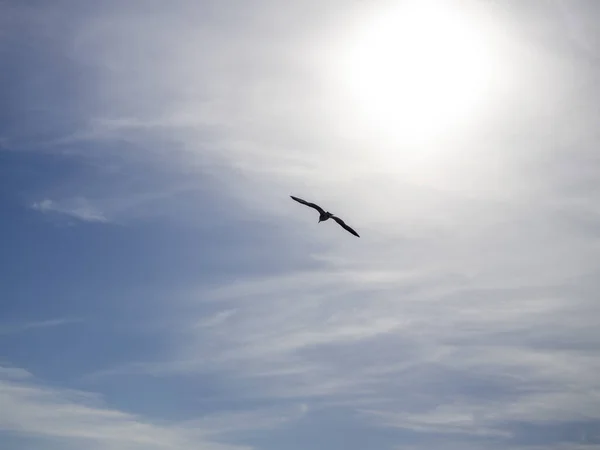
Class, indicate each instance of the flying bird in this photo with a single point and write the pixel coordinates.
(324, 215)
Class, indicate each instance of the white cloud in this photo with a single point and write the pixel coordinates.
(79, 208)
(79, 419)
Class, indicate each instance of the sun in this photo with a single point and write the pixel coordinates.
(416, 69)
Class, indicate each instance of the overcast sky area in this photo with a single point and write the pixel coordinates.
(160, 290)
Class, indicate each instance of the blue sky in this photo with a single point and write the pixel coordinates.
(160, 290)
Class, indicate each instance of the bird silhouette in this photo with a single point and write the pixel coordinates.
(325, 215)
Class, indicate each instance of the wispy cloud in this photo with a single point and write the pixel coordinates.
(79, 418)
(19, 327)
(79, 209)
(13, 373)
(425, 353)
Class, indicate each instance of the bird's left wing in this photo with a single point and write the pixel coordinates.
(312, 205)
(344, 226)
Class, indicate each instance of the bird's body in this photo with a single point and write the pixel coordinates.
(323, 217)
(326, 215)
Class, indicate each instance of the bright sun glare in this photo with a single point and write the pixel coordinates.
(416, 69)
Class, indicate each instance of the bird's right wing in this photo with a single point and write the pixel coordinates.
(344, 226)
(312, 205)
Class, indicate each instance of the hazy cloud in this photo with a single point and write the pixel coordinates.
(466, 316)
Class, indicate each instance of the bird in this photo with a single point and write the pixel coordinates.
(325, 215)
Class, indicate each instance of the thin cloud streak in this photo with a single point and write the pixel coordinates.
(79, 209)
(16, 327)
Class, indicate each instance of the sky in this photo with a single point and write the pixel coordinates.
(160, 290)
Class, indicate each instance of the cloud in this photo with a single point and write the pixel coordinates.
(9, 328)
(579, 26)
(468, 308)
(78, 418)
(79, 209)
(13, 373)
(427, 353)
